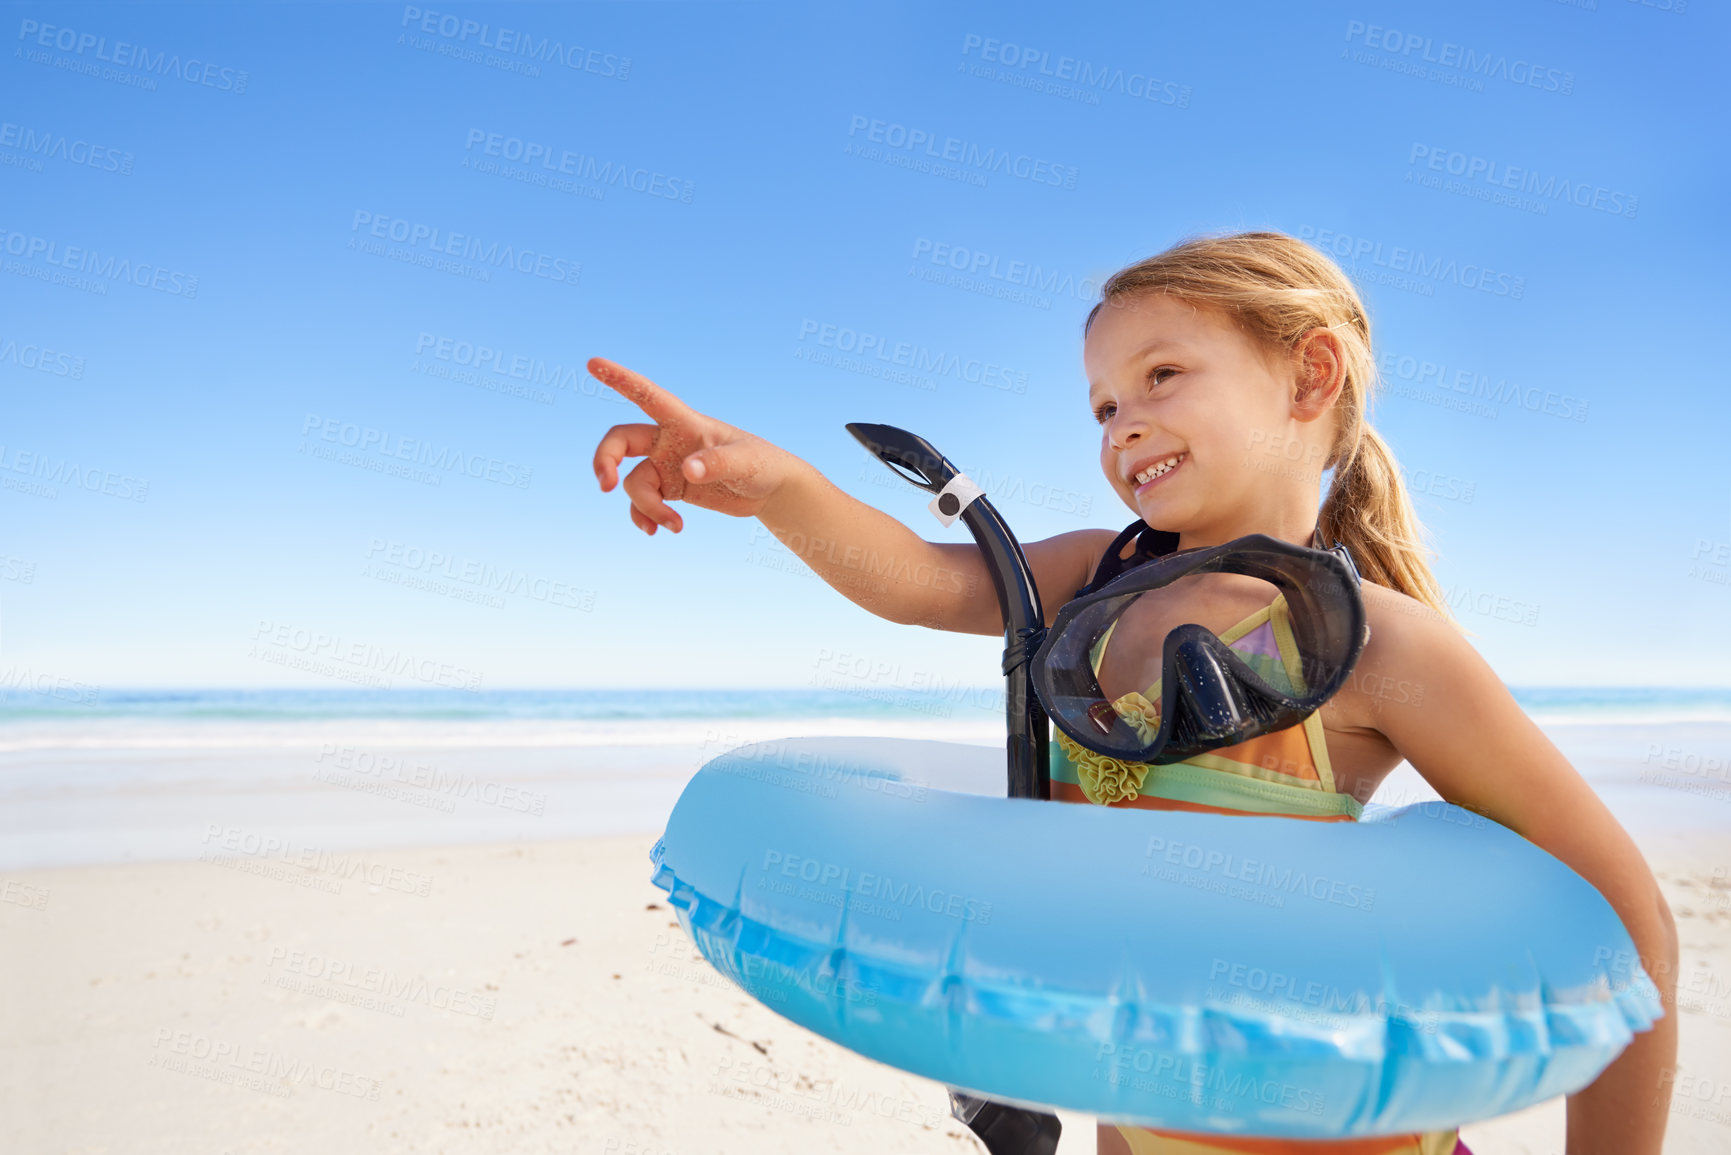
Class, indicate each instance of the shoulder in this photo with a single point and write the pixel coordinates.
(1402, 627)
(1395, 610)
(1414, 656)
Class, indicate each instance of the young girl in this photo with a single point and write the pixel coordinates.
(1226, 374)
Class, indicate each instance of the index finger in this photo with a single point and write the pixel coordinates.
(640, 391)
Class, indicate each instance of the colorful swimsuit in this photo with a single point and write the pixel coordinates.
(1285, 773)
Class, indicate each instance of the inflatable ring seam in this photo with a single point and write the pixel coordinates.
(1435, 1035)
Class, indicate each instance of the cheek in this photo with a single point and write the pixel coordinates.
(1220, 425)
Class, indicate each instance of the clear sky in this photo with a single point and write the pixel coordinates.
(246, 235)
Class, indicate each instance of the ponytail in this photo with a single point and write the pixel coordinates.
(1368, 511)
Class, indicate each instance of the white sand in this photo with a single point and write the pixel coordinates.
(420, 996)
(199, 1007)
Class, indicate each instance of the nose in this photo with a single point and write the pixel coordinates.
(1124, 430)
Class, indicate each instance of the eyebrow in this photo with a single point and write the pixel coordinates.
(1155, 345)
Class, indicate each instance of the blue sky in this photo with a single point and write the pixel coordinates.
(175, 497)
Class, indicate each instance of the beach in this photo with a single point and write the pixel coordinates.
(363, 934)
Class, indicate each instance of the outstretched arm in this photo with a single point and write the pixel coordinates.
(1475, 745)
(868, 556)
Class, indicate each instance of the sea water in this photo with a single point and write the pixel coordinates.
(104, 776)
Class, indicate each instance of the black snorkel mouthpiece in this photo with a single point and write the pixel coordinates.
(956, 496)
(1007, 1130)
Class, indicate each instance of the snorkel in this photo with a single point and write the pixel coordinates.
(914, 459)
(1005, 1130)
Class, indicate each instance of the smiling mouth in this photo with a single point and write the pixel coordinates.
(1152, 473)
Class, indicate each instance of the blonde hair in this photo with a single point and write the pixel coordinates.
(1276, 288)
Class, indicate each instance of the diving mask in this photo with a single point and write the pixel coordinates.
(1211, 691)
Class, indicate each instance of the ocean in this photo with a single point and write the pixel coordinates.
(616, 711)
(112, 775)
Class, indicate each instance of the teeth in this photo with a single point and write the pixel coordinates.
(1157, 470)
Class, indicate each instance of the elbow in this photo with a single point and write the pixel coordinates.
(951, 608)
(1667, 922)
(1658, 945)
(1669, 945)
(908, 608)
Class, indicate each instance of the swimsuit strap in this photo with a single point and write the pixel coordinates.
(1150, 544)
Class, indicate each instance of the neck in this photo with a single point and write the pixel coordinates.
(1298, 531)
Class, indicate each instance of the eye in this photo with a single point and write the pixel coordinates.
(1157, 376)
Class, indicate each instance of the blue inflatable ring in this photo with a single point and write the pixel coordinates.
(1415, 971)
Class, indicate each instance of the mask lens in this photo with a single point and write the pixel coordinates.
(1202, 650)
(1110, 665)
(1232, 607)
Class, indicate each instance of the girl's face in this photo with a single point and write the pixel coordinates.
(1201, 432)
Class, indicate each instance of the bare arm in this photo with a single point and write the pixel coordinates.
(868, 556)
(1471, 741)
(883, 566)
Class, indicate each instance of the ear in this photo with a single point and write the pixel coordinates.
(1320, 374)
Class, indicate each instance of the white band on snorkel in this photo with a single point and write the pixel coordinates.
(953, 498)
